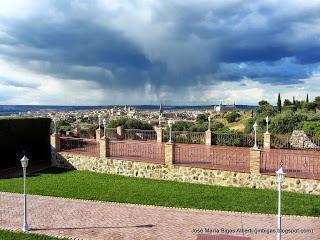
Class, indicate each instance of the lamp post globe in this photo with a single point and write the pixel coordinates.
(24, 162)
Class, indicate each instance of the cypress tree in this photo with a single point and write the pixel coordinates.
(307, 100)
(279, 104)
(294, 101)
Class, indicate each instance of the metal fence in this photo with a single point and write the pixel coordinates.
(111, 133)
(80, 146)
(137, 134)
(237, 140)
(286, 141)
(213, 157)
(185, 137)
(296, 163)
(138, 150)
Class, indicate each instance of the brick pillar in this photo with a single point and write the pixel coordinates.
(104, 148)
(159, 132)
(255, 156)
(99, 134)
(208, 137)
(120, 132)
(169, 154)
(267, 141)
(55, 141)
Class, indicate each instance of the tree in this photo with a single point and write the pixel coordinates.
(129, 123)
(263, 103)
(279, 104)
(232, 117)
(202, 118)
(317, 101)
(307, 99)
(287, 102)
(286, 122)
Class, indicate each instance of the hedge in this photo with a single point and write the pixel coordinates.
(19, 136)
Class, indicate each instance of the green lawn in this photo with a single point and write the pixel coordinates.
(114, 188)
(8, 235)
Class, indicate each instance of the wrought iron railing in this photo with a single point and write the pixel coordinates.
(287, 141)
(111, 133)
(139, 151)
(185, 137)
(296, 163)
(237, 140)
(80, 146)
(213, 157)
(138, 134)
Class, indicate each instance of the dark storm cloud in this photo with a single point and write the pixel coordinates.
(201, 42)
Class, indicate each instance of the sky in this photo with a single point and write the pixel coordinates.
(107, 52)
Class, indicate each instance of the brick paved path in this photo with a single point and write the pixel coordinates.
(99, 220)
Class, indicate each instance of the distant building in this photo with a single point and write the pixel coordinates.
(224, 108)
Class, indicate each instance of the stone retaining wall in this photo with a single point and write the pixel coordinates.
(181, 174)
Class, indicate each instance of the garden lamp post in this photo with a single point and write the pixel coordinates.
(24, 163)
(104, 121)
(99, 119)
(170, 127)
(280, 176)
(209, 124)
(255, 127)
(267, 121)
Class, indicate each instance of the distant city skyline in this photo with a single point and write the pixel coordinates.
(105, 52)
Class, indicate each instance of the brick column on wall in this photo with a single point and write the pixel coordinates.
(55, 141)
(208, 135)
(267, 140)
(169, 154)
(255, 157)
(120, 132)
(104, 147)
(99, 134)
(159, 132)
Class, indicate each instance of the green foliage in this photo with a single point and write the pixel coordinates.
(115, 188)
(201, 118)
(279, 104)
(232, 117)
(197, 127)
(19, 136)
(92, 130)
(287, 102)
(312, 128)
(317, 101)
(291, 107)
(263, 103)
(10, 235)
(266, 110)
(287, 121)
(130, 123)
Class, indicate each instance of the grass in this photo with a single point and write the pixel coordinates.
(114, 188)
(10, 235)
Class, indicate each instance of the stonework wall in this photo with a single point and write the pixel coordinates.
(181, 174)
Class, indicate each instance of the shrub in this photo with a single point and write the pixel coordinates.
(287, 121)
(232, 117)
(312, 128)
(130, 123)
